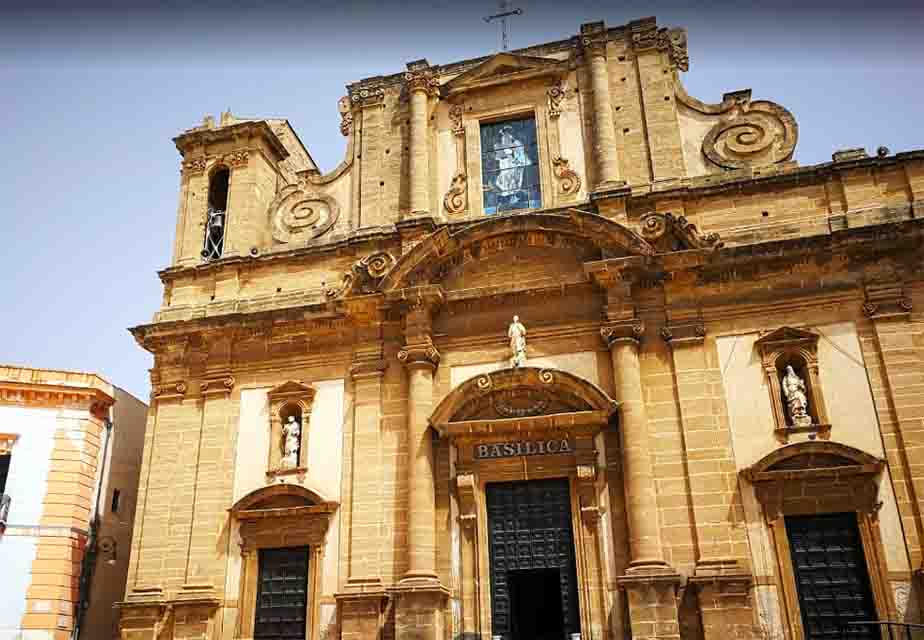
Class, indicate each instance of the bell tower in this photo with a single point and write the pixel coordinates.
(228, 178)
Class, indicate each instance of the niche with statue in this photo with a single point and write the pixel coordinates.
(290, 408)
(790, 361)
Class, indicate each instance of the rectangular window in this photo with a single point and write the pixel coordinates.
(282, 594)
(4, 471)
(116, 499)
(510, 166)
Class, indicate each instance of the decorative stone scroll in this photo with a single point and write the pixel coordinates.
(788, 355)
(299, 214)
(568, 180)
(365, 275)
(751, 134)
(668, 232)
(455, 200)
(455, 115)
(672, 41)
(346, 116)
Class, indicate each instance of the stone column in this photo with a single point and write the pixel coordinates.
(604, 143)
(420, 86)
(641, 496)
(421, 361)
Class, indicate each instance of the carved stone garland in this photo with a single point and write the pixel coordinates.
(569, 182)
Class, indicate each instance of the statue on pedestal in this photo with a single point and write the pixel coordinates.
(796, 400)
(517, 334)
(291, 435)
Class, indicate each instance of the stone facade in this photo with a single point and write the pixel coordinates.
(678, 263)
(70, 446)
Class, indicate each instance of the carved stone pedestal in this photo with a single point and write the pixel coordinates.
(724, 593)
(420, 610)
(652, 597)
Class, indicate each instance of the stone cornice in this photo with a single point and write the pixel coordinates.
(188, 140)
(53, 388)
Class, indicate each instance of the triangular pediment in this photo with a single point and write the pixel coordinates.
(291, 388)
(786, 334)
(502, 68)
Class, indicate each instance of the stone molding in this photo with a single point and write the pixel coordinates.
(683, 333)
(886, 301)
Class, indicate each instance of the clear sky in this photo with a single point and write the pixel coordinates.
(91, 95)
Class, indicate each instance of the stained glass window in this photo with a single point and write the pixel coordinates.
(509, 166)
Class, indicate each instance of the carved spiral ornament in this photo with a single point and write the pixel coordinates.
(484, 383)
(455, 201)
(299, 214)
(546, 376)
(752, 134)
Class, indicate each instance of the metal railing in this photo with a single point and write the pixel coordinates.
(897, 630)
(5, 501)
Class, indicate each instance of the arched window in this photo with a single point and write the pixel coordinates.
(217, 214)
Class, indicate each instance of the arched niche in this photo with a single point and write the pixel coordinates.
(289, 400)
(276, 517)
(815, 478)
(797, 348)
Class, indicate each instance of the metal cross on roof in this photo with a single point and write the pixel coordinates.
(505, 12)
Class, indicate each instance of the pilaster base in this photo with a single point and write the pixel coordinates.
(651, 590)
(362, 609)
(420, 609)
(723, 589)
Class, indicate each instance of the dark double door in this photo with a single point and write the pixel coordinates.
(533, 578)
(831, 576)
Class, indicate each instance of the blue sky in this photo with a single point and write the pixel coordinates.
(91, 95)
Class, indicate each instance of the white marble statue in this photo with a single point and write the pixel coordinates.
(796, 400)
(517, 334)
(291, 434)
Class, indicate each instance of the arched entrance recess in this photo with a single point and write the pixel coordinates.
(526, 450)
(814, 483)
(429, 260)
(276, 518)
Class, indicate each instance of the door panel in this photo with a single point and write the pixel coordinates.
(530, 528)
(831, 576)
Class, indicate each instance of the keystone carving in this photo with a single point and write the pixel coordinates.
(675, 233)
(569, 180)
(365, 275)
(455, 201)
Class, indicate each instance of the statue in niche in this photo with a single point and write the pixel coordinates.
(291, 434)
(517, 334)
(796, 400)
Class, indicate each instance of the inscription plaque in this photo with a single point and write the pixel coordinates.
(522, 448)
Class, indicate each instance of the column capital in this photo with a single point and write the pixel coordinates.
(594, 47)
(628, 332)
(419, 355)
(420, 77)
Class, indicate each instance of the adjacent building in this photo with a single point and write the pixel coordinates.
(70, 454)
(557, 351)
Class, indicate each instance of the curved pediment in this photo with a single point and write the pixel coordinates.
(521, 392)
(442, 251)
(280, 496)
(813, 458)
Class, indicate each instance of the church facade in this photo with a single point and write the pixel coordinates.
(557, 351)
